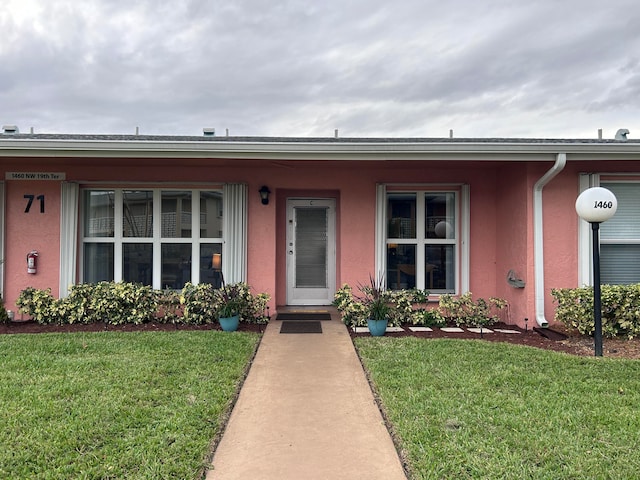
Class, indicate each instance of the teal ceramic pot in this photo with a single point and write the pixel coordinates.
(377, 327)
(230, 324)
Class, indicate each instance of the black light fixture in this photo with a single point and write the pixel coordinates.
(264, 194)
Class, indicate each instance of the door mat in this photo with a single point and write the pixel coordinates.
(307, 326)
(303, 316)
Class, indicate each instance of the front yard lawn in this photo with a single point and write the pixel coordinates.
(473, 409)
(143, 405)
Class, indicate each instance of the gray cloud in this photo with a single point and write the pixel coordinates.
(369, 68)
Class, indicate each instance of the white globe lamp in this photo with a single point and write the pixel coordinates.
(596, 204)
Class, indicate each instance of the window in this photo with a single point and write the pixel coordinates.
(422, 240)
(620, 236)
(152, 236)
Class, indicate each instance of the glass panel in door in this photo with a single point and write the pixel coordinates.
(311, 250)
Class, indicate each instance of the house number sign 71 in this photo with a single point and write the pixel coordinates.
(30, 197)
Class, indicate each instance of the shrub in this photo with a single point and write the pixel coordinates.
(109, 302)
(428, 318)
(198, 301)
(80, 301)
(128, 303)
(464, 310)
(40, 305)
(253, 309)
(170, 310)
(113, 303)
(399, 305)
(409, 306)
(4, 316)
(620, 309)
(354, 313)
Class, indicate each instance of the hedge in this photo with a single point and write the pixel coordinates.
(620, 309)
(118, 303)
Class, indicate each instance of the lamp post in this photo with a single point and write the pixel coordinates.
(596, 205)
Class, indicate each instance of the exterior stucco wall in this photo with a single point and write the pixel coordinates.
(357, 230)
(352, 184)
(513, 230)
(482, 275)
(501, 215)
(560, 224)
(261, 242)
(26, 231)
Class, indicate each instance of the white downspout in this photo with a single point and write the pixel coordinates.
(538, 238)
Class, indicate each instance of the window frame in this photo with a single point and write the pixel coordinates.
(605, 239)
(585, 238)
(459, 241)
(118, 239)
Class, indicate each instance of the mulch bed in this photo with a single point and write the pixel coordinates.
(574, 344)
(30, 326)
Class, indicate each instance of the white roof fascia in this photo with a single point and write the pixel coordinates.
(318, 150)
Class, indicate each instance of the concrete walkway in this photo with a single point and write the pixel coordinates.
(306, 412)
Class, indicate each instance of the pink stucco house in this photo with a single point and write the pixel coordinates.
(447, 215)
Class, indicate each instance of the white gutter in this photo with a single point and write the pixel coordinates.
(538, 238)
(305, 149)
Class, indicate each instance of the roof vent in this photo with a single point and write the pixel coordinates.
(209, 132)
(10, 129)
(622, 134)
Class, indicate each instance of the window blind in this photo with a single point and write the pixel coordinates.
(625, 224)
(620, 237)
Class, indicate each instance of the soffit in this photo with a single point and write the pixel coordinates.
(313, 149)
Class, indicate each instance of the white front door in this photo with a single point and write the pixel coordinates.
(311, 251)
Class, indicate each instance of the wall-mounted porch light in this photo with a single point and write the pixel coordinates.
(264, 194)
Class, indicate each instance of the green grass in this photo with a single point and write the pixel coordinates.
(472, 409)
(115, 405)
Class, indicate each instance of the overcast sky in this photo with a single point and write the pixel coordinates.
(408, 68)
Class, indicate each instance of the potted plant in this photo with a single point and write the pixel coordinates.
(377, 306)
(234, 302)
(373, 307)
(229, 304)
